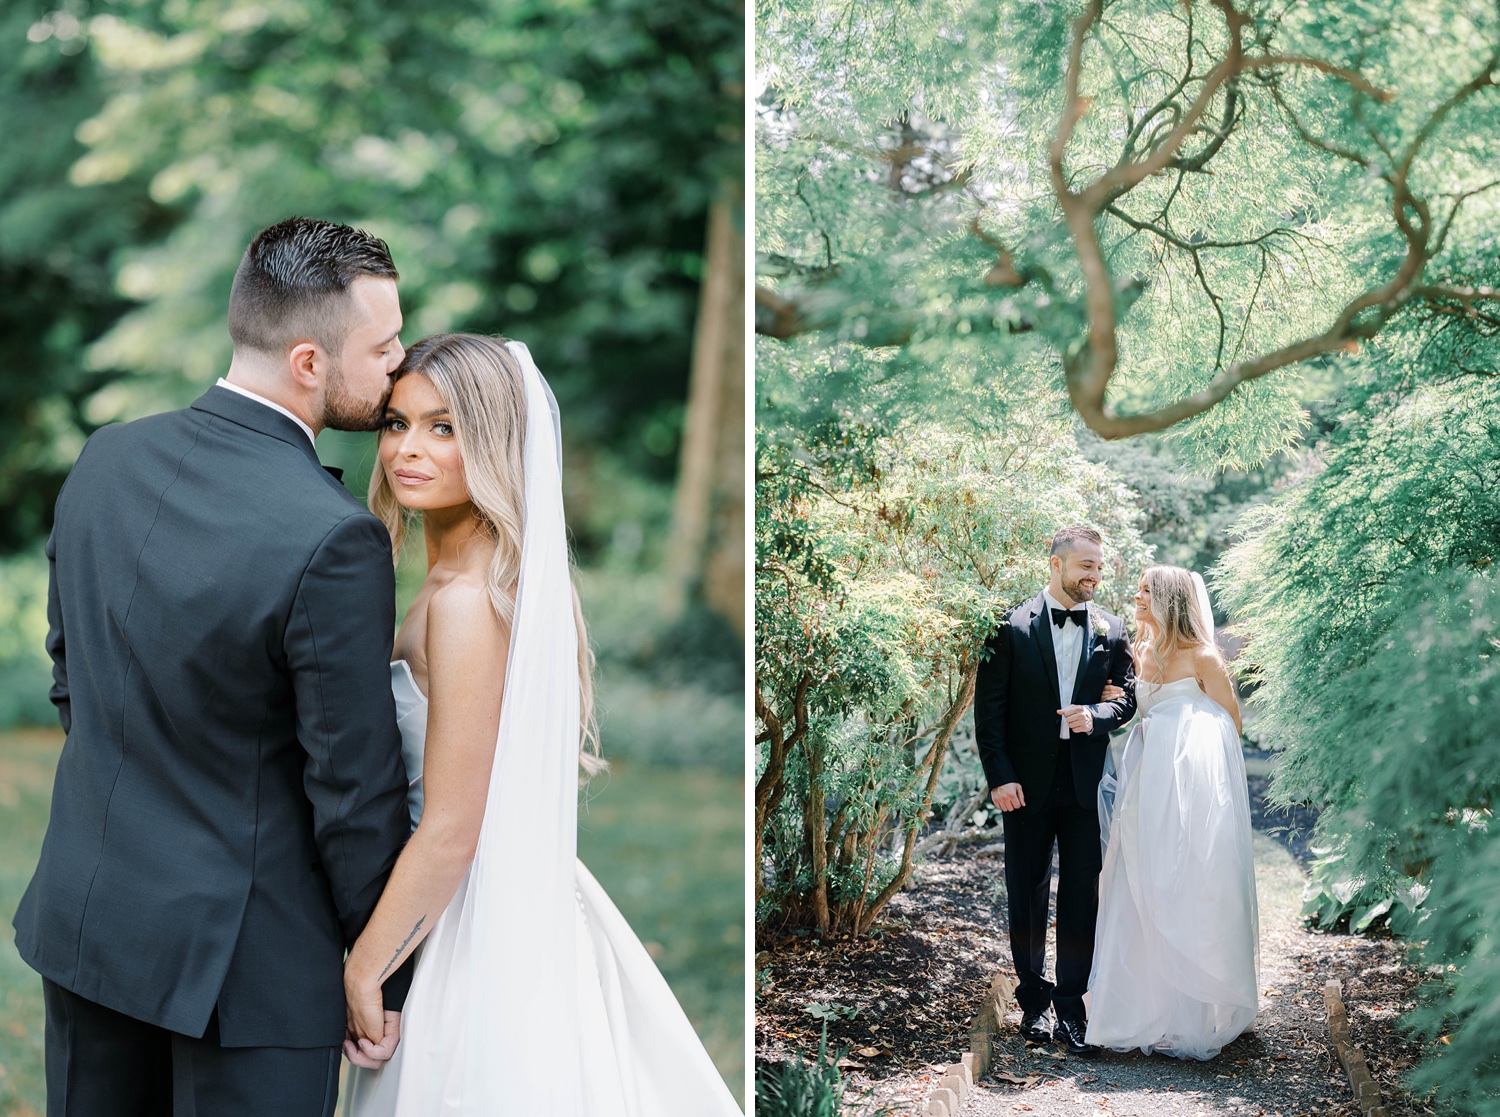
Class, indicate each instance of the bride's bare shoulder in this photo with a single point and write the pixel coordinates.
(462, 622)
(1207, 661)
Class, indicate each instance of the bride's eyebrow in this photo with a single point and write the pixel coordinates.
(434, 414)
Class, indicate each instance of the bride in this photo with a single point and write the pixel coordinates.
(1176, 946)
(531, 992)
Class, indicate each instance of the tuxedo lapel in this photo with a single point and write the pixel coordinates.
(1041, 633)
(1085, 650)
(1091, 643)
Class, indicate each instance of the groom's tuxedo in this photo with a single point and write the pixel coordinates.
(1016, 699)
(230, 798)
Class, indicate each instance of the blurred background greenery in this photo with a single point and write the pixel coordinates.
(565, 172)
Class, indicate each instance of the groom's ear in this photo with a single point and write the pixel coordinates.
(305, 363)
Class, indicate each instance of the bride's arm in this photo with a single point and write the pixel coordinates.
(1213, 676)
(467, 648)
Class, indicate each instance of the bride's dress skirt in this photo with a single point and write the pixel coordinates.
(635, 1053)
(1176, 950)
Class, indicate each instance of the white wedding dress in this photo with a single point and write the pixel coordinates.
(532, 996)
(1176, 951)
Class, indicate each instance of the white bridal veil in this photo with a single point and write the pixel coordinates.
(1205, 607)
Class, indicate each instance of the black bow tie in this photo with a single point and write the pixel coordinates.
(1080, 617)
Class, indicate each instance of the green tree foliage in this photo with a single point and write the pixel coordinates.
(1162, 209)
(1368, 595)
(885, 556)
(56, 281)
(540, 169)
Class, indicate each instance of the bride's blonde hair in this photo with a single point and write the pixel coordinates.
(484, 387)
(1175, 609)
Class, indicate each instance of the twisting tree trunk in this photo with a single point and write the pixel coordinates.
(817, 847)
(934, 765)
(771, 785)
(706, 549)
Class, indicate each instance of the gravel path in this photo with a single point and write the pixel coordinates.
(1283, 1067)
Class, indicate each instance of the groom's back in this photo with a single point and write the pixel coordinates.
(178, 545)
(182, 868)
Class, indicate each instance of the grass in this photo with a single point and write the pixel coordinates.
(27, 760)
(667, 844)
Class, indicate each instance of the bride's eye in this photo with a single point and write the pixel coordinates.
(443, 429)
(393, 424)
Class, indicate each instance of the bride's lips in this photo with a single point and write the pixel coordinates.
(407, 477)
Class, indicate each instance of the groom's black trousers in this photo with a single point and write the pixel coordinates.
(1030, 834)
(103, 1064)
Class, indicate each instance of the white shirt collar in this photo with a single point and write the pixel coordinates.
(248, 394)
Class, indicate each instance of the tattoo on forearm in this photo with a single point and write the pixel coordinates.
(399, 949)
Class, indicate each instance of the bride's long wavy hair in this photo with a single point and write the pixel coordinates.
(1175, 609)
(485, 390)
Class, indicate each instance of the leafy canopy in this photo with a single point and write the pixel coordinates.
(1161, 209)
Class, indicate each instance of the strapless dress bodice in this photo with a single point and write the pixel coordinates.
(411, 720)
(1148, 694)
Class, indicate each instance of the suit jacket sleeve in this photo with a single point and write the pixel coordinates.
(991, 693)
(56, 645)
(1109, 716)
(337, 642)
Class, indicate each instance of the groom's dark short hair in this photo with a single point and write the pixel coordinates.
(1068, 538)
(293, 284)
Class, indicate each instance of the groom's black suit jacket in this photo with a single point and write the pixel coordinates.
(230, 798)
(1016, 702)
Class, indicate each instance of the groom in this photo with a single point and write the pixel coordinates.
(230, 798)
(1042, 735)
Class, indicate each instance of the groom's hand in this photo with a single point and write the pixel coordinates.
(362, 1053)
(1080, 719)
(1007, 796)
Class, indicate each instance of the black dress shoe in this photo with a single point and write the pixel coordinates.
(1070, 1033)
(1034, 1026)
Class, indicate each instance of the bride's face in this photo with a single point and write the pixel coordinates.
(419, 449)
(1143, 618)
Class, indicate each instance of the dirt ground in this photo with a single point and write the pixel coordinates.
(898, 1005)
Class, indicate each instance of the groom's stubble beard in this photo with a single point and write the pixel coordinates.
(344, 411)
(1079, 592)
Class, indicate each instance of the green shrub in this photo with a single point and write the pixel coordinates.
(796, 1088)
(1372, 614)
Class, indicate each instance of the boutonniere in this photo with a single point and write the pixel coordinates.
(1101, 626)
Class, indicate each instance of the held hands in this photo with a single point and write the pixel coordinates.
(372, 1032)
(362, 1053)
(1111, 692)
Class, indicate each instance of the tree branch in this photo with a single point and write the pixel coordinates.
(813, 311)
(1090, 370)
(1351, 77)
